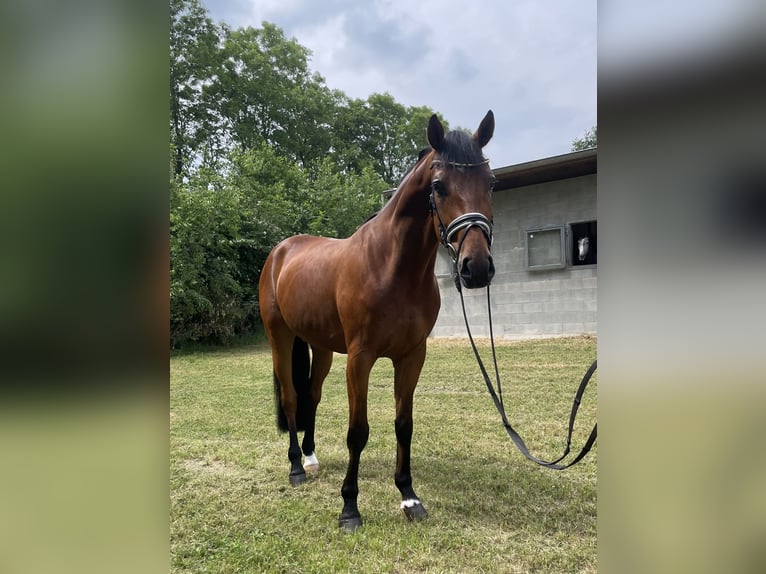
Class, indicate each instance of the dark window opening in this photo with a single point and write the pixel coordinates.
(584, 245)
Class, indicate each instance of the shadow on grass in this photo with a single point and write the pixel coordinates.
(235, 344)
(502, 492)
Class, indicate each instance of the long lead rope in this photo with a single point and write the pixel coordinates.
(497, 398)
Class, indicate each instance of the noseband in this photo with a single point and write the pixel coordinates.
(465, 221)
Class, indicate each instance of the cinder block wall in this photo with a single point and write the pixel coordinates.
(527, 304)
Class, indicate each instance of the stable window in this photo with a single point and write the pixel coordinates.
(545, 248)
(583, 246)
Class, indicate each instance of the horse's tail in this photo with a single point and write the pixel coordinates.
(301, 384)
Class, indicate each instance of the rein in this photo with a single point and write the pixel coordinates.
(497, 396)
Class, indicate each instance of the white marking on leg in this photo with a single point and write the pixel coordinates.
(409, 503)
(311, 463)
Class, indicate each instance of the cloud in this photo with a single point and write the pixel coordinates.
(533, 64)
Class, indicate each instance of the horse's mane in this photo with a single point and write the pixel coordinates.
(371, 216)
(461, 147)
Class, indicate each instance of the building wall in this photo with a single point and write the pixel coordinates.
(527, 304)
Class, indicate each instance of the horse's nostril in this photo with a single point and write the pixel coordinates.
(465, 270)
(491, 273)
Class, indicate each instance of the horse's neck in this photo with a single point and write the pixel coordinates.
(408, 220)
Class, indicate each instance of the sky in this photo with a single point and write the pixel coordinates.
(532, 63)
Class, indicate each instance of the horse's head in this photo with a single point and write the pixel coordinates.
(582, 248)
(461, 198)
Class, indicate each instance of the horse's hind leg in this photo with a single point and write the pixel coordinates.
(321, 361)
(282, 356)
(406, 373)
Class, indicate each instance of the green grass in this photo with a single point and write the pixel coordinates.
(490, 510)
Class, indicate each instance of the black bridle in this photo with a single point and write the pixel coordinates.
(447, 234)
(466, 221)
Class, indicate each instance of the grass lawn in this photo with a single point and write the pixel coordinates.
(490, 510)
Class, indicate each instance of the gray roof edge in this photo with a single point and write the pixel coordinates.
(552, 168)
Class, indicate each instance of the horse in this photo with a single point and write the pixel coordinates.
(375, 294)
(583, 244)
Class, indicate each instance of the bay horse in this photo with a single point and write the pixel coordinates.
(374, 294)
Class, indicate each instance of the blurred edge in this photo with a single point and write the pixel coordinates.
(83, 300)
(84, 287)
(682, 278)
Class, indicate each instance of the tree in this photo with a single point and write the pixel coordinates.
(266, 94)
(380, 133)
(194, 57)
(589, 140)
(342, 202)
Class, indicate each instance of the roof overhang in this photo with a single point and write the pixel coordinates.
(554, 168)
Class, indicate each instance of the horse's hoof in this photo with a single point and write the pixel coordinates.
(297, 479)
(311, 464)
(414, 510)
(350, 524)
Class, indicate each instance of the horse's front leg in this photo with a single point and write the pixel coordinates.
(406, 373)
(357, 381)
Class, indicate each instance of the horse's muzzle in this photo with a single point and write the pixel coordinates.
(476, 273)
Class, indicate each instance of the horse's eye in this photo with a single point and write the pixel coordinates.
(492, 185)
(438, 188)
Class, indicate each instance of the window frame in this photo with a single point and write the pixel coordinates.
(562, 262)
(571, 244)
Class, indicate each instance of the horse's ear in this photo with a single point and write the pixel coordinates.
(435, 133)
(486, 129)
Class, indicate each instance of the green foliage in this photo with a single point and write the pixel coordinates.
(587, 141)
(262, 149)
(207, 299)
(266, 94)
(379, 133)
(342, 202)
